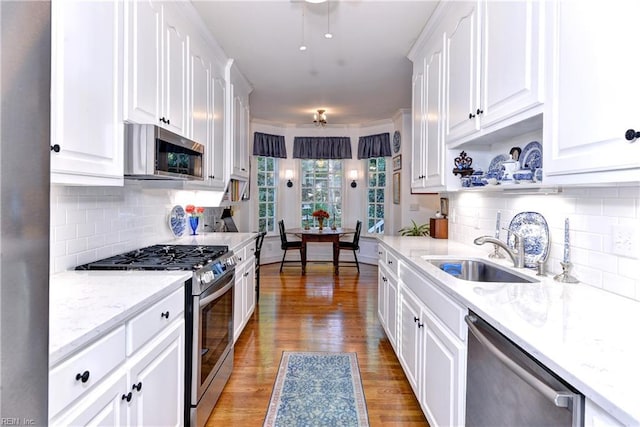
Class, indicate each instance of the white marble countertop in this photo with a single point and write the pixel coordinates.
(233, 240)
(83, 305)
(585, 335)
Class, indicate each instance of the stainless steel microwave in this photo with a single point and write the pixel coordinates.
(152, 152)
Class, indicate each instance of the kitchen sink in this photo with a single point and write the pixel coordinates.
(477, 270)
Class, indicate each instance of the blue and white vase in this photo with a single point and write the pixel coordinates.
(193, 223)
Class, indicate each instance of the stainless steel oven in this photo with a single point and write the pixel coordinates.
(212, 347)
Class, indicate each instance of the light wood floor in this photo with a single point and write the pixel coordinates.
(316, 312)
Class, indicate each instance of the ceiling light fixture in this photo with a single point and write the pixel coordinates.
(328, 34)
(320, 118)
(303, 46)
(315, 1)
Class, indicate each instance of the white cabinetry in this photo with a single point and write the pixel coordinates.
(428, 153)
(494, 67)
(99, 386)
(593, 92)
(238, 89)
(388, 295)
(434, 360)
(156, 66)
(431, 338)
(86, 93)
(244, 295)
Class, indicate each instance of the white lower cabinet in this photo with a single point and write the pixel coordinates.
(147, 388)
(388, 303)
(244, 295)
(434, 361)
(427, 330)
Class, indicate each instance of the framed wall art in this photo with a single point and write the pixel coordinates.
(396, 188)
(397, 162)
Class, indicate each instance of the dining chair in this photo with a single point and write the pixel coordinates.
(285, 244)
(353, 245)
(259, 241)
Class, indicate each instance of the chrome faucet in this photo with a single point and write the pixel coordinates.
(517, 255)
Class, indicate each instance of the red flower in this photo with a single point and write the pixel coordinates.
(320, 213)
(194, 211)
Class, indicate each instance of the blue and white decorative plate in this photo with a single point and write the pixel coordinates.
(531, 157)
(496, 167)
(534, 229)
(177, 220)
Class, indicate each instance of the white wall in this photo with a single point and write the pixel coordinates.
(592, 213)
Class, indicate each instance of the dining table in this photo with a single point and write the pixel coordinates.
(326, 234)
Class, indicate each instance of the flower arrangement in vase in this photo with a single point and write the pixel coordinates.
(320, 215)
(194, 217)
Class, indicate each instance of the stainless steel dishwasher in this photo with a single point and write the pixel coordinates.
(507, 387)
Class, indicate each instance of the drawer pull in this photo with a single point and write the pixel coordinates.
(127, 397)
(84, 377)
(165, 314)
(137, 387)
(631, 135)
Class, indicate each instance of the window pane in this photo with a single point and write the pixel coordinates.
(266, 184)
(321, 188)
(375, 197)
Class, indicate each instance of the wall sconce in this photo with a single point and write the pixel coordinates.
(288, 174)
(353, 175)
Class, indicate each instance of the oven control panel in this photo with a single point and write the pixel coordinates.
(214, 270)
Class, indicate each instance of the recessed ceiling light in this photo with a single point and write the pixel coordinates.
(315, 1)
(328, 35)
(302, 47)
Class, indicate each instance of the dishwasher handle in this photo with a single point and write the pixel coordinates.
(562, 399)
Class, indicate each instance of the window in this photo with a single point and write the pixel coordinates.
(321, 188)
(267, 167)
(375, 197)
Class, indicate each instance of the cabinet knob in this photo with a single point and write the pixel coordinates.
(416, 319)
(127, 397)
(631, 135)
(165, 314)
(390, 262)
(420, 325)
(163, 120)
(84, 377)
(168, 121)
(56, 148)
(471, 115)
(384, 279)
(479, 111)
(212, 177)
(137, 387)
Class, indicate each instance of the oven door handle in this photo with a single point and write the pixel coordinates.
(562, 399)
(207, 299)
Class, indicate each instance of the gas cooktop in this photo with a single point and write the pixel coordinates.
(160, 257)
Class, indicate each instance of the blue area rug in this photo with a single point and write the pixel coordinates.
(317, 389)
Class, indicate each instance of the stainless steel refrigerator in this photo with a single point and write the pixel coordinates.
(25, 75)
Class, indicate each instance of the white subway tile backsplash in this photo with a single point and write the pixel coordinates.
(592, 212)
(90, 223)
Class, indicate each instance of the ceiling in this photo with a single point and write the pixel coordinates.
(360, 75)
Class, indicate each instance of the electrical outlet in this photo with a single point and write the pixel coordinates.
(624, 240)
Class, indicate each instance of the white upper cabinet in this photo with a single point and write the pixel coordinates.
(494, 63)
(594, 91)
(217, 155)
(174, 72)
(143, 74)
(238, 89)
(428, 90)
(200, 111)
(86, 102)
(156, 66)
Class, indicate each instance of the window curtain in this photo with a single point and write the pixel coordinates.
(329, 147)
(269, 145)
(373, 146)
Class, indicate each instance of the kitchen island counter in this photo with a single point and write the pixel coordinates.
(582, 333)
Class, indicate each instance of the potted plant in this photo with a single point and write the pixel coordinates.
(415, 229)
